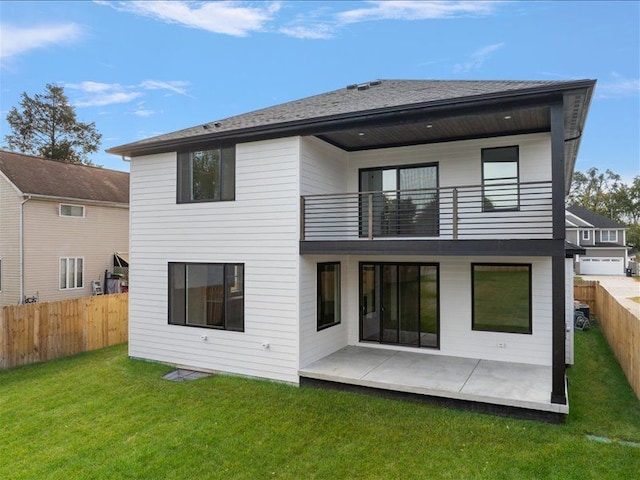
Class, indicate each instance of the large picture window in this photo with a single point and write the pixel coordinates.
(501, 297)
(71, 273)
(328, 295)
(207, 295)
(207, 175)
(500, 178)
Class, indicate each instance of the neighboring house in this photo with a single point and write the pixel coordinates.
(401, 235)
(60, 226)
(603, 240)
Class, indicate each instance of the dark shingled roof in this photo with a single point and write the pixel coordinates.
(368, 98)
(40, 176)
(593, 218)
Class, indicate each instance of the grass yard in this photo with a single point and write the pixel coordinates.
(100, 415)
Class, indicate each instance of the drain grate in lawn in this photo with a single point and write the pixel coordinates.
(182, 375)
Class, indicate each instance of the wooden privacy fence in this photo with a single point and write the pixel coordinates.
(621, 328)
(38, 332)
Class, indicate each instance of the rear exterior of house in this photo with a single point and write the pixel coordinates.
(603, 239)
(417, 217)
(61, 225)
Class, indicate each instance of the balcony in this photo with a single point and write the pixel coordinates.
(500, 211)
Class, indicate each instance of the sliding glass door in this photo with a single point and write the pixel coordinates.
(399, 304)
(404, 201)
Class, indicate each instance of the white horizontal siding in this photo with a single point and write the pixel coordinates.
(48, 237)
(569, 307)
(9, 242)
(456, 335)
(259, 229)
(460, 164)
(323, 170)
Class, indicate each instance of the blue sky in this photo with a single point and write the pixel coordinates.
(139, 69)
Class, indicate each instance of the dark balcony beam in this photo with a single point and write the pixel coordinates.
(485, 247)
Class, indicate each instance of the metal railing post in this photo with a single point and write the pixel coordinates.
(371, 216)
(455, 213)
(302, 215)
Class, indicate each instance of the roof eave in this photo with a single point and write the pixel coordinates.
(308, 126)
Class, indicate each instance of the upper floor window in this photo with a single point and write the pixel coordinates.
(71, 273)
(586, 234)
(500, 178)
(207, 175)
(609, 236)
(67, 210)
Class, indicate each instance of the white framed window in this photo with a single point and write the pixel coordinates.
(609, 236)
(71, 273)
(69, 210)
(586, 234)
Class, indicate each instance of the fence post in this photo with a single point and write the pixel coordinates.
(4, 354)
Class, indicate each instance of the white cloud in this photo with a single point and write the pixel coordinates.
(415, 10)
(177, 86)
(143, 112)
(316, 32)
(477, 58)
(619, 87)
(95, 94)
(16, 40)
(230, 18)
(108, 99)
(323, 23)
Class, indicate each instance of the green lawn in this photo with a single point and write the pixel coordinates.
(101, 415)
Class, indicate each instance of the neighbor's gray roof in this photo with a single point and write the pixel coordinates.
(595, 219)
(380, 96)
(40, 176)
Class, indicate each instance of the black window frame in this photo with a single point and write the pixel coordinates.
(395, 231)
(483, 153)
(362, 310)
(182, 321)
(227, 175)
(529, 266)
(319, 312)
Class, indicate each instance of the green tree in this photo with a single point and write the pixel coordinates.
(46, 125)
(633, 236)
(592, 190)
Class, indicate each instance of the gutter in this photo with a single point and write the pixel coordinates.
(103, 203)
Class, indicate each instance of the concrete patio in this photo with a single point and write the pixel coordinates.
(491, 382)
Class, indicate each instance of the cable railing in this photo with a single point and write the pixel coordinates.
(496, 211)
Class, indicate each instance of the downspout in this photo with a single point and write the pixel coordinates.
(27, 198)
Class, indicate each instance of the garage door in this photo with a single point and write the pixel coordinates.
(601, 266)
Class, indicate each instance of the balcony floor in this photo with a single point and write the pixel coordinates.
(499, 383)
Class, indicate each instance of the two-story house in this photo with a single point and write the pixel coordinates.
(60, 226)
(603, 239)
(407, 236)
